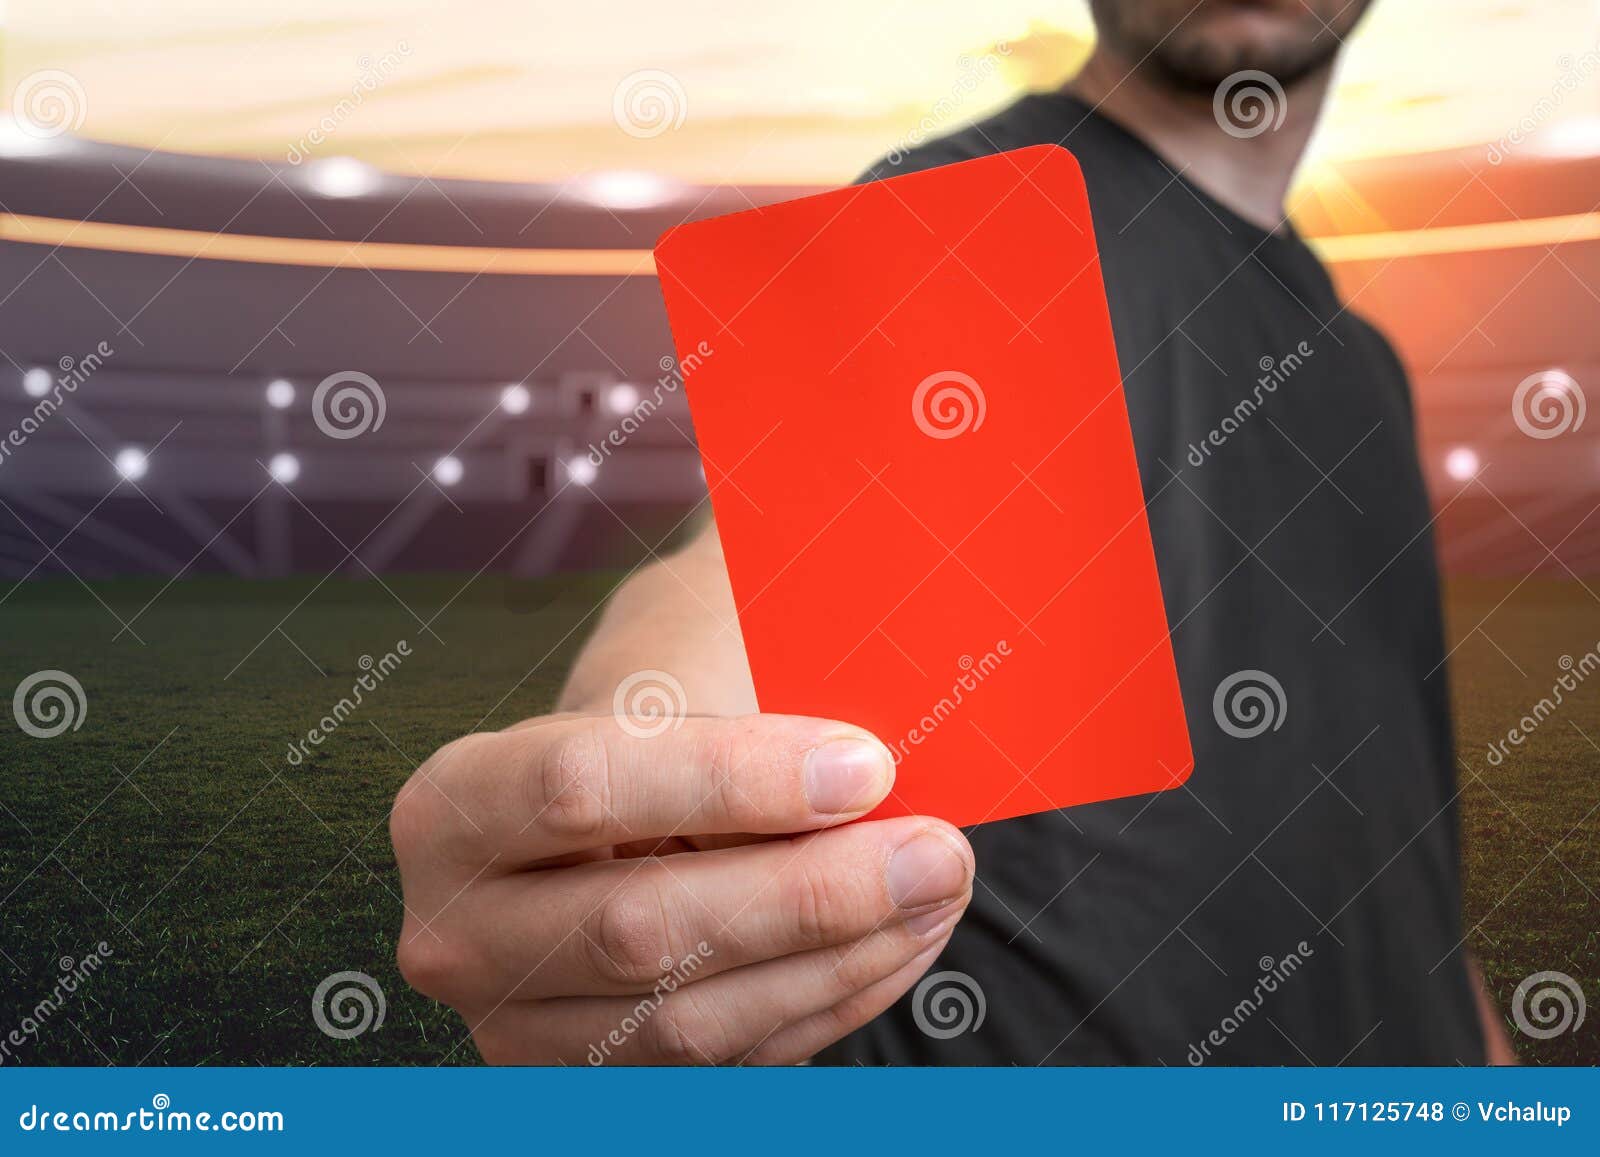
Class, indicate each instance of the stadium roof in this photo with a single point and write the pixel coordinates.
(505, 90)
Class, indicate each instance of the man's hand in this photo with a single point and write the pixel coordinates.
(582, 894)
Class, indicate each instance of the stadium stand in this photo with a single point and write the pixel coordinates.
(168, 319)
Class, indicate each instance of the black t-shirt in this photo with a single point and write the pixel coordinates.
(1298, 901)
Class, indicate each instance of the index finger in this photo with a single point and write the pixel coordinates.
(587, 782)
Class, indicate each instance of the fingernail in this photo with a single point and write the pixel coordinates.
(924, 870)
(845, 775)
(926, 922)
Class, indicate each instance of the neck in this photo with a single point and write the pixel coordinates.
(1251, 175)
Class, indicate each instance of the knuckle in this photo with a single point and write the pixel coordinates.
(407, 824)
(453, 761)
(422, 817)
(822, 905)
(747, 801)
(684, 1031)
(628, 938)
(430, 966)
(868, 961)
(417, 824)
(498, 1044)
(571, 790)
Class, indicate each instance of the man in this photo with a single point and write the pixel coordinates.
(583, 891)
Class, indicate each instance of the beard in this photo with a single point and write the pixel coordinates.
(1192, 45)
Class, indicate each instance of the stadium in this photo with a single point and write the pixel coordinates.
(283, 394)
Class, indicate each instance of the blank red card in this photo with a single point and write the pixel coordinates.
(907, 400)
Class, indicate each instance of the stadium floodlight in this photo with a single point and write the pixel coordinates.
(1578, 137)
(132, 463)
(582, 470)
(342, 177)
(622, 398)
(448, 470)
(280, 394)
(284, 468)
(515, 399)
(36, 382)
(1462, 463)
(20, 139)
(626, 189)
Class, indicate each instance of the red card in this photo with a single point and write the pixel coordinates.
(907, 400)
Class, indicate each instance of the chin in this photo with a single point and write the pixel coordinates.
(1284, 38)
(1207, 57)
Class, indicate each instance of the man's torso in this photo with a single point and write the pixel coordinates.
(1298, 899)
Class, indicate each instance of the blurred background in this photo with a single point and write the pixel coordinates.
(240, 200)
(330, 323)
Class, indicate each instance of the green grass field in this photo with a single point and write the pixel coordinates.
(228, 883)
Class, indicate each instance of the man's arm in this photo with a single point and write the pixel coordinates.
(1496, 1043)
(676, 616)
